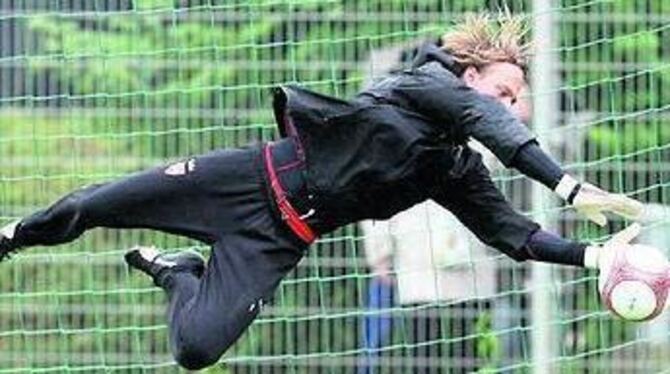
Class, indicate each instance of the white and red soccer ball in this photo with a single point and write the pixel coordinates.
(636, 287)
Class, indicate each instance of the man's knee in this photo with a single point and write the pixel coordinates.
(195, 352)
(60, 223)
(192, 358)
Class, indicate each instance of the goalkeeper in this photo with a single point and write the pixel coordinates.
(401, 141)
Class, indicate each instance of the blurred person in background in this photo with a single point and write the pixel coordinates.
(441, 278)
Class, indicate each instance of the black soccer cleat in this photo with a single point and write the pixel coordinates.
(7, 245)
(6, 248)
(151, 262)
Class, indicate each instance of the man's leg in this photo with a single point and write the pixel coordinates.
(187, 198)
(178, 274)
(149, 199)
(207, 315)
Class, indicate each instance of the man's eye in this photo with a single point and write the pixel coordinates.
(503, 93)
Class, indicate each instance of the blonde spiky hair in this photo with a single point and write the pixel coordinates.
(485, 38)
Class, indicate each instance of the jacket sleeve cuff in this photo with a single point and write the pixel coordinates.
(547, 247)
(566, 187)
(591, 255)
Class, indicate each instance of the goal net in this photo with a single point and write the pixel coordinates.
(91, 90)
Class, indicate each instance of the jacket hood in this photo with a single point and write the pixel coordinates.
(432, 52)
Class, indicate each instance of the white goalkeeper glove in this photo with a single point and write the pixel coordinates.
(601, 256)
(592, 202)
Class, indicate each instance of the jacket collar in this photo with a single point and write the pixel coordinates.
(430, 51)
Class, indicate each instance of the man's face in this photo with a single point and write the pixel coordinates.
(523, 108)
(502, 80)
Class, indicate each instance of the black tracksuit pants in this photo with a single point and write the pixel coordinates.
(220, 198)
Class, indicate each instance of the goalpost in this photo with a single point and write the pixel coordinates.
(92, 90)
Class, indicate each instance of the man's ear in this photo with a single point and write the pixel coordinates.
(470, 75)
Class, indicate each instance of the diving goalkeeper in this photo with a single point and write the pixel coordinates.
(399, 142)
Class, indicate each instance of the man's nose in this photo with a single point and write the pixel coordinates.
(507, 102)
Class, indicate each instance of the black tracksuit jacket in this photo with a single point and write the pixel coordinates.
(403, 140)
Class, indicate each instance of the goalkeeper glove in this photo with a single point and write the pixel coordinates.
(601, 256)
(592, 202)
(7, 242)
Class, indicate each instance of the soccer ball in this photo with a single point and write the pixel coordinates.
(636, 286)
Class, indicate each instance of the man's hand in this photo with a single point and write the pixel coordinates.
(592, 202)
(602, 257)
(7, 244)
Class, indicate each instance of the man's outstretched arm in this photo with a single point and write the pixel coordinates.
(440, 95)
(587, 199)
(477, 203)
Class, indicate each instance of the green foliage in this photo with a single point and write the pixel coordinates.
(639, 47)
(153, 4)
(641, 6)
(488, 345)
(629, 137)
